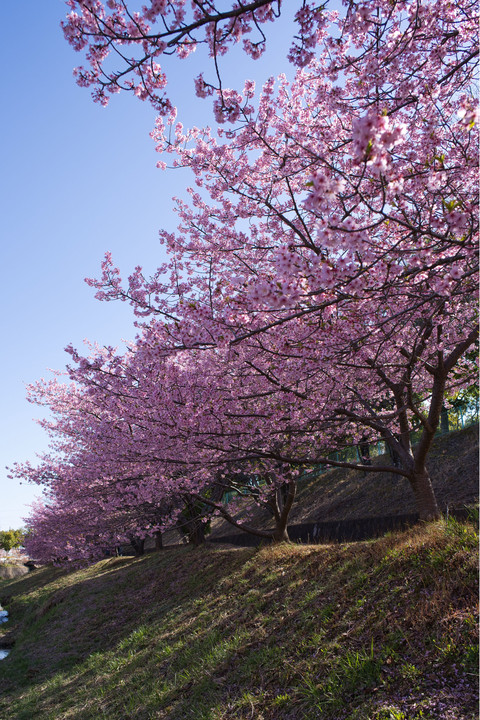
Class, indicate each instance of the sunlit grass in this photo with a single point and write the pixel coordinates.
(360, 631)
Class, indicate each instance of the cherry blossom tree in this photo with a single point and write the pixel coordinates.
(124, 46)
(320, 290)
(137, 432)
(82, 522)
(148, 432)
(334, 231)
(58, 533)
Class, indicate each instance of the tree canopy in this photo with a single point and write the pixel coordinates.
(321, 288)
(10, 539)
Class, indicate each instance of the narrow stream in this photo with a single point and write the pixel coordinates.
(3, 618)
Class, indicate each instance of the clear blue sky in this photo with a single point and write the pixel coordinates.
(76, 180)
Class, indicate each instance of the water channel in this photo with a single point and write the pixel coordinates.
(3, 618)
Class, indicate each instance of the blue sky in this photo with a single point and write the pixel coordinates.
(76, 180)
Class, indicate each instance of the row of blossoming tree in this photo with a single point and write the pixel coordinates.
(321, 288)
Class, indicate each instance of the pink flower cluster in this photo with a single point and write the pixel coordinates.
(468, 114)
(325, 190)
(202, 89)
(228, 106)
(457, 221)
(373, 137)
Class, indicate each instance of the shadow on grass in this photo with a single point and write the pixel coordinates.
(190, 651)
(230, 634)
(59, 619)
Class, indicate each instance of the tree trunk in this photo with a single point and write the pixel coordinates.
(283, 501)
(196, 532)
(280, 533)
(364, 449)
(424, 495)
(158, 540)
(138, 545)
(394, 456)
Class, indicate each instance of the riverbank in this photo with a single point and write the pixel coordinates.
(377, 630)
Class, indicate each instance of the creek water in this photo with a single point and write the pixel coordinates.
(3, 618)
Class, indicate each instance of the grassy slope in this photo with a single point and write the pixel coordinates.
(344, 494)
(384, 629)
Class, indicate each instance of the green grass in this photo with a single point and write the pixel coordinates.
(378, 630)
